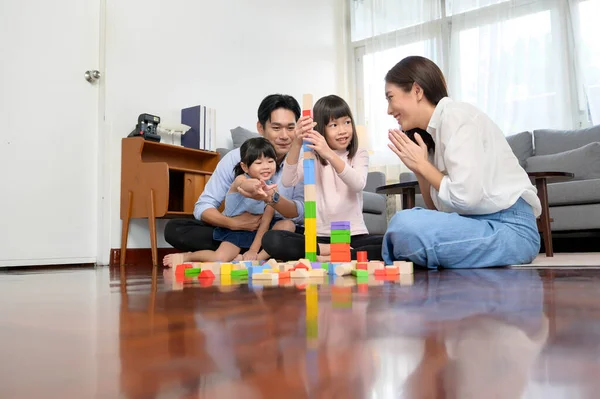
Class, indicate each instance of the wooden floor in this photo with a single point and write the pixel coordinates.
(108, 333)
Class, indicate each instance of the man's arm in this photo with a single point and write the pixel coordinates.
(426, 192)
(287, 208)
(214, 193)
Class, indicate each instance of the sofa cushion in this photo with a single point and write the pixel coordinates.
(522, 146)
(574, 192)
(549, 141)
(239, 135)
(584, 162)
(373, 203)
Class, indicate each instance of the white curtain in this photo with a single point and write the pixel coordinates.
(529, 64)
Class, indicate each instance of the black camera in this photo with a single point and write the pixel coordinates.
(146, 127)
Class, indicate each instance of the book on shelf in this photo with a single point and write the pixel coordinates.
(203, 132)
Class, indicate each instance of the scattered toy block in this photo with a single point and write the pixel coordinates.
(362, 266)
(311, 256)
(299, 273)
(307, 262)
(272, 263)
(340, 248)
(192, 272)
(361, 256)
(287, 267)
(317, 273)
(391, 270)
(240, 273)
(404, 267)
(380, 272)
(360, 273)
(226, 269)
(225, 279)
(284, 275)
(344, 269)
(206, 281)
(180, 269)
(373, 266)
(206, 274)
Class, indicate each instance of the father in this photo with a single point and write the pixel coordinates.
(277, 116)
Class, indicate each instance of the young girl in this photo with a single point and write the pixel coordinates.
(341, 170)
(258, 164)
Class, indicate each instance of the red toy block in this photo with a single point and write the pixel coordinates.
(300, 265)
(380, 272)
(206, 274)
(392, 271)
(361, 266)
(341, 259)
(361, 256)
(180, 269)
(306, 112)
(284, 275)
(206, 282)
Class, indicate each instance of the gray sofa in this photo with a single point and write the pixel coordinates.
(374, 205)
(575, 204)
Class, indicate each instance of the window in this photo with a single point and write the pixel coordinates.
(514, 59)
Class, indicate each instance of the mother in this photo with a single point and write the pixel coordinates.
(482, 207)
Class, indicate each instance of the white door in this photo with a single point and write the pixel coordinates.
(48, 131)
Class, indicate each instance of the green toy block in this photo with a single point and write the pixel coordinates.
(311, 256)
(310, 209)
(239, 273)
(341, 233)
(340, 240)
(325, 265)
(192, 272)
(360, 273)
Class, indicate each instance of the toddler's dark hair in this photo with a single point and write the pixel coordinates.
(253, 149)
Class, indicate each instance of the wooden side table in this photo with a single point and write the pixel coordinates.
(541, 180)
(408, 190)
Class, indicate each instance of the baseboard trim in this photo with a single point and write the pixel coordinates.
(138, 256)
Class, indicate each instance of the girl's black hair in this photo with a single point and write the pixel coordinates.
(253, 149)
(427, 139)
(333, 107)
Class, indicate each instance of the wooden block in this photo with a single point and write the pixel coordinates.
(272, 263)
(299, 273)
(317, 273)
(274, 277)
(373, 266)
(310, 243)
(212, 266)
(307, 102)
(284, 275)
(226, 269)
(310, 192)
(287, 267)
(360, 273)
(309, 155)
(392, 270)
(407, 279)
(306, 262)
(344, 269)
(404, 267)
(362, 266)
(379, 272)
(361, 256)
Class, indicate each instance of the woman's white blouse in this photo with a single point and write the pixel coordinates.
(481, 173)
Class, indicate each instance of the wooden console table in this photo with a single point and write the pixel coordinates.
(160, 181)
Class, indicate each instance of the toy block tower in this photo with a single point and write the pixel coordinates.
(310, 191)
(340, 242)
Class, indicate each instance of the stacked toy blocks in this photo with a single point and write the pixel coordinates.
(340, 242)
(310, 192)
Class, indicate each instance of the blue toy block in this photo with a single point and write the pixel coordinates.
(309, 163)
(256, 269)
(332, 267)
(309, 178)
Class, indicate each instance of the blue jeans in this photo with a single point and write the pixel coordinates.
(449, 240)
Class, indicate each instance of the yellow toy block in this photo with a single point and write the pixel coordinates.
(310, 226)
(226, 269)
(311, 245)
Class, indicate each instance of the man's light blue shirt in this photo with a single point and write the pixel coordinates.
(220, 182)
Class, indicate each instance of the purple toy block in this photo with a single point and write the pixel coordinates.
(340, 225)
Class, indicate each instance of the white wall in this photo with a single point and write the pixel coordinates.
(228, 54)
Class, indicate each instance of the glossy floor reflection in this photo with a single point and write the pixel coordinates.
(101, 333)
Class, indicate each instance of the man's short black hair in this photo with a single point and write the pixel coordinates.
(276, 101)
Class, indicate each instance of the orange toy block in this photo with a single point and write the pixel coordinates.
(380, 272)
(361, 256)
(180, 269)
(284, 275)
(391, 271)
(340, 248)
(362, 266)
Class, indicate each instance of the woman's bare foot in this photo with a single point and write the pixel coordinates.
(173, 260)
